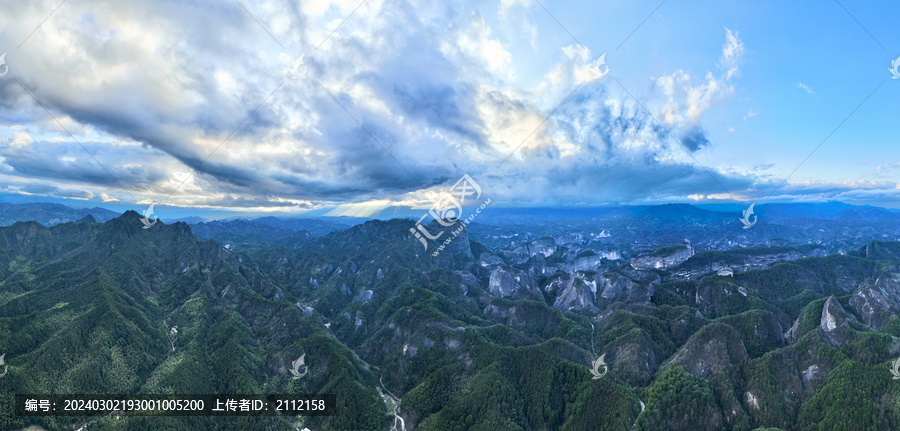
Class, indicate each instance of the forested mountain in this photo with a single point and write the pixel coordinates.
(241, 232)
(477, 338)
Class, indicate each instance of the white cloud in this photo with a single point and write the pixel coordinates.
(732, 54)
(475, 42)
(21, 139)
(511, 14)
(687, 102)
(805, 87)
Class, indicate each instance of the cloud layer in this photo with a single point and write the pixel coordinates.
(193, 105)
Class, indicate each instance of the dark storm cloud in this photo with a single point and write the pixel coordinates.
(695, 140)
(68, 161)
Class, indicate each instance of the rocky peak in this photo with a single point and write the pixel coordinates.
(513, 283)
(836, 326)
(877, 304)
(579, 294)
(614, 286)
(833, 315)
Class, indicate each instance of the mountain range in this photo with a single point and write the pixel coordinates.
(703, 325)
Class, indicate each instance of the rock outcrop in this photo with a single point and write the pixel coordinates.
(580, 293)
(513, 283)
(667, 257)
(877, 304)
(836, 326)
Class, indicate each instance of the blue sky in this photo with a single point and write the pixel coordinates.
(191, 105)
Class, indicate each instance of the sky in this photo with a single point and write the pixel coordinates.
(350, 107)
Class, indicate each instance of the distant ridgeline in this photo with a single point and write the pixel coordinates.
(49, 214)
